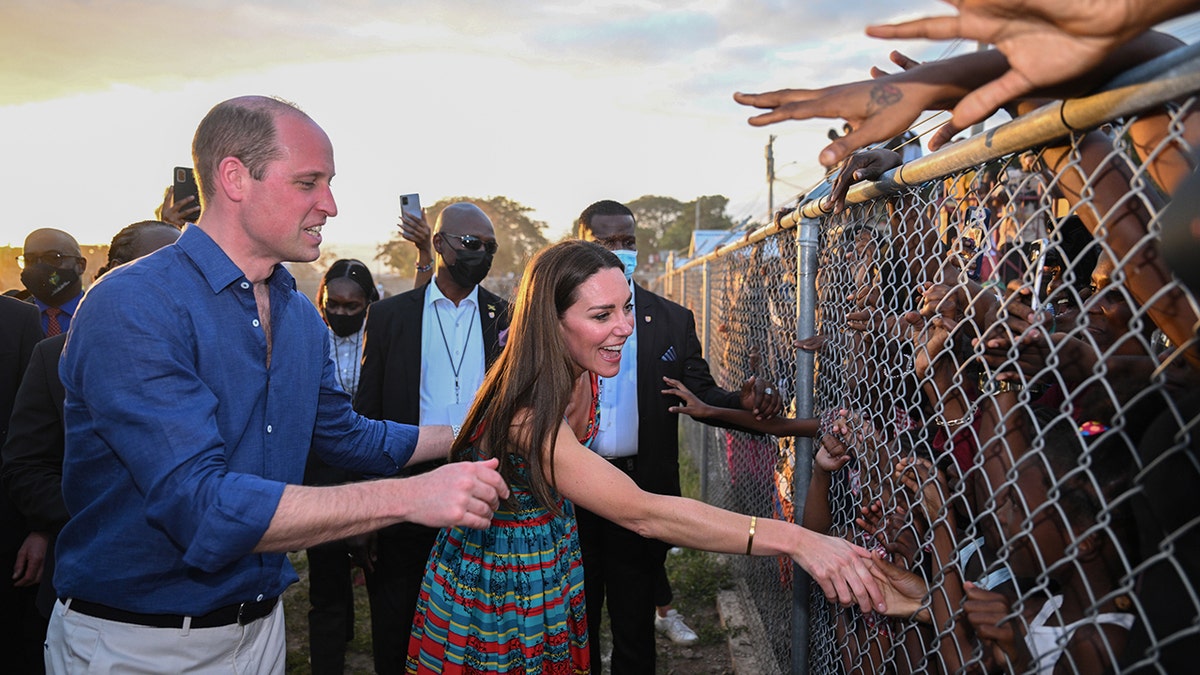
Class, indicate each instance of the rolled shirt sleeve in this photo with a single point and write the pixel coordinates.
(181, 439)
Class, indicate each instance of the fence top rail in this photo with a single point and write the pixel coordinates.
(1153, 83)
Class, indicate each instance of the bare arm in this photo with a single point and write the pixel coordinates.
(776, 426)
(432, 443)
(462, 493)
(884, 107)
(1046, 42)
(842, 569)
(416, 229)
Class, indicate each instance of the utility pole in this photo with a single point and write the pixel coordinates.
(771, 176)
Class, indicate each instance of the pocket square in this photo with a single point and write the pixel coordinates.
(669, 355)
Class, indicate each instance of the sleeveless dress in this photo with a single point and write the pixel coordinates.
(508, 599)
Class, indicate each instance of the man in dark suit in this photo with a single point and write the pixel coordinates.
(31, 473)
(19, 547)
(52, 271)
(640, 436)
(424, 356)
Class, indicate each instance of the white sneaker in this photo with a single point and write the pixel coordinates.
(673, 627)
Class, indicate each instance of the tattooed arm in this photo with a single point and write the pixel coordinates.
(881, 108)
(1046, 42)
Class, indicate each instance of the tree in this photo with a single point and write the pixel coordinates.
(518, 235)
(666, 224)
(711, 217)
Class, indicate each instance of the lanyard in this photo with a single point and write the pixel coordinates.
(449, 354)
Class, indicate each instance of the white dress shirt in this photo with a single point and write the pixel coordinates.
(451, 338)
(618, 434)
(347, 355)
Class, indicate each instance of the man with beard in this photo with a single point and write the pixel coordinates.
(51, 271)
(424, 356)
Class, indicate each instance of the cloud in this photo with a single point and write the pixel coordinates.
(62, 47)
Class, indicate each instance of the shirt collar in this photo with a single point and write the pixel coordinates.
(216, 267)
(67, 307)
(353, 337)
(434, 294)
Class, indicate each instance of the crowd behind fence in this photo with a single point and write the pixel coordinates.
(1005, 371)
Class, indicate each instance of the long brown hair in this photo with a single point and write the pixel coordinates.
(534, 375)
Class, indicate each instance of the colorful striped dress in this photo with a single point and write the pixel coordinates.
(508, 599)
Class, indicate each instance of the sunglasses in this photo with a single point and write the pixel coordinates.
(473, 243)
(52, 258)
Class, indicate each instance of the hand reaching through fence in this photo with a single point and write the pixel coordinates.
(998, 627)
(774, 425)
(862, 165)
(1046, 42)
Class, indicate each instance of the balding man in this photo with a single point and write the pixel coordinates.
(424, 356)
(197, 379)
(52, 272)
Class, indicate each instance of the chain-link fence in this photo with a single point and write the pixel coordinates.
(1006, 372)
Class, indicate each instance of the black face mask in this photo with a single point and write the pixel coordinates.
(470, 267)
(51, 285)
(345, 324)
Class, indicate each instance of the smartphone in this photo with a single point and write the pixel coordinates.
(411, 204)
(185, 186)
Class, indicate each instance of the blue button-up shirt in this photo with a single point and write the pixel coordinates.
(64, 320)
(180, 439)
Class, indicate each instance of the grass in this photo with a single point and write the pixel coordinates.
(295, 608)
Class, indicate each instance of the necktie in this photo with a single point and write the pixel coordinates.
(52, 326)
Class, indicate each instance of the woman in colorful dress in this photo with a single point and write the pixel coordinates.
(509, 599)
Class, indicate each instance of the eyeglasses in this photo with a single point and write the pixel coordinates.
(473, 243)
(51, 258)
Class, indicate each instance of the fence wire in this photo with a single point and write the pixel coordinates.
(1006, 376)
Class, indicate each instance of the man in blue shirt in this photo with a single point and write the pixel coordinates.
(200, 382)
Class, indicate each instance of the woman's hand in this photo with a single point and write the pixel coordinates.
(842, 569)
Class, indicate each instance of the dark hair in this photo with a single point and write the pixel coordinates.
(604, 207)
(354, 270)
(531, 383)
(243, 128)
(124, 245)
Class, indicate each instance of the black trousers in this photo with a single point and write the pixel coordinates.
(331, 610)
(621, 570)
(393, 587)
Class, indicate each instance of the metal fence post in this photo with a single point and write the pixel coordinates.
(807, 236)
(706, 443)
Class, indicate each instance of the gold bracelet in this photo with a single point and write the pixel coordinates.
(750, 541)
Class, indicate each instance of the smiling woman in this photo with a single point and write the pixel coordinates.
(510, 598)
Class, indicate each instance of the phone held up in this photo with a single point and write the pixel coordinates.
(411, 204)
(185, 186)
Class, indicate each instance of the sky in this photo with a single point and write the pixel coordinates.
(554, 104)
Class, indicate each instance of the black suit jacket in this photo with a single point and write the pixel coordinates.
(667, 345)
(389, 384)
(22, 330)
(33, 454)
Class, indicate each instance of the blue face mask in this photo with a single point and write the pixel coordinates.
(629, 260)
